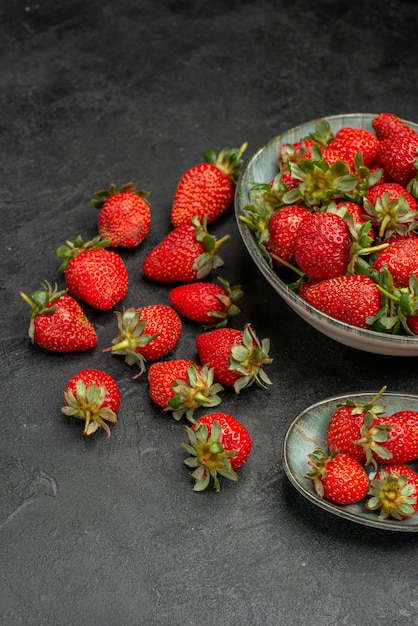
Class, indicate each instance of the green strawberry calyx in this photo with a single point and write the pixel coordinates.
(390, 216)
(371, 439)
(209, 259)
(73, 248)
(208, 458)
(230, 309)
(104, 194)
(392, 495)
(319, 460)
(229, 161)
(42, 303)
(248, 358)
(198, 390)
(131, 338)
(87, 405)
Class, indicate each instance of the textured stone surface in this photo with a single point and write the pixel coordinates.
(109, 532)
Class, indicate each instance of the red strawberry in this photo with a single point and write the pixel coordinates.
(332, 155)
(400, 440)
(207, 189)
(400, 258)
(182, 386)
(407, 416)
(394, 492)
(206, 303)
(237, 356)
(338, 477)
(92, 273)
(389, 125)
(391, 207)
(124, 215)
(58, 323)
(146, 334)
(348, 141)
(350, 299)
(322, 245)
(344, 427)
(282, 229)
(187, 254)
(218, 444)
(93, 396)
(397, 157)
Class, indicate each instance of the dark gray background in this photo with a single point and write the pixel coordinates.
(109, 532)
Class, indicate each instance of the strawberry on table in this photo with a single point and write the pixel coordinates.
(93, 396)
(394, 492)
(124, 215)
(237, 356)
(93, 273)
(337, 477)
(182, 386)
(207, 189)
(218, 445)
(351, 299)
(58, 323)
(187, 254)
(207, 303)
(146, 334)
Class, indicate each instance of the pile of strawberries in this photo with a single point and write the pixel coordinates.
(360, 436)
(339, 222)
(95, 274)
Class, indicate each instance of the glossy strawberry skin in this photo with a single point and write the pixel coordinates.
(350, 299)
(162, 320)
(343, 430)
(125, 219)
(234, 437)
(346, 481)
(407, 416)
(389, 125)
(92, 376)
(197, 301)
(397, 157)
(283, 226)
(322, 245)
(161, 376)
(349, 141)
(66, 330)
(402, 440)
(214, 349)
(98, 277)
(400, 258)
(203, 190)
(395, 190)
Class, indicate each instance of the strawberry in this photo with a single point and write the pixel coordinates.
(348, 141)
(207, 189)
(124, 215)
(237, 356)
(394, 492)
(282, 230)
(338, 477)
(322, 245)
(219, 445)
(92, 273)
(344, 427)
(187, 254)
(350, 298)
(93, 396)
(146, 334)
(182, 386)
(389, 125)
(400, 258)
(407, 416)
(206, 303)
(400, 440)
(391, 207)
(58, 323)
(397, 156)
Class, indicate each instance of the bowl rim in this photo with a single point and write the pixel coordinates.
(268, 271)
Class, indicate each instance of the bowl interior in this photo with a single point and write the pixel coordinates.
(261, 168)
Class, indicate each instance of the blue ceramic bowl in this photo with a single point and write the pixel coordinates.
(261, 168)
